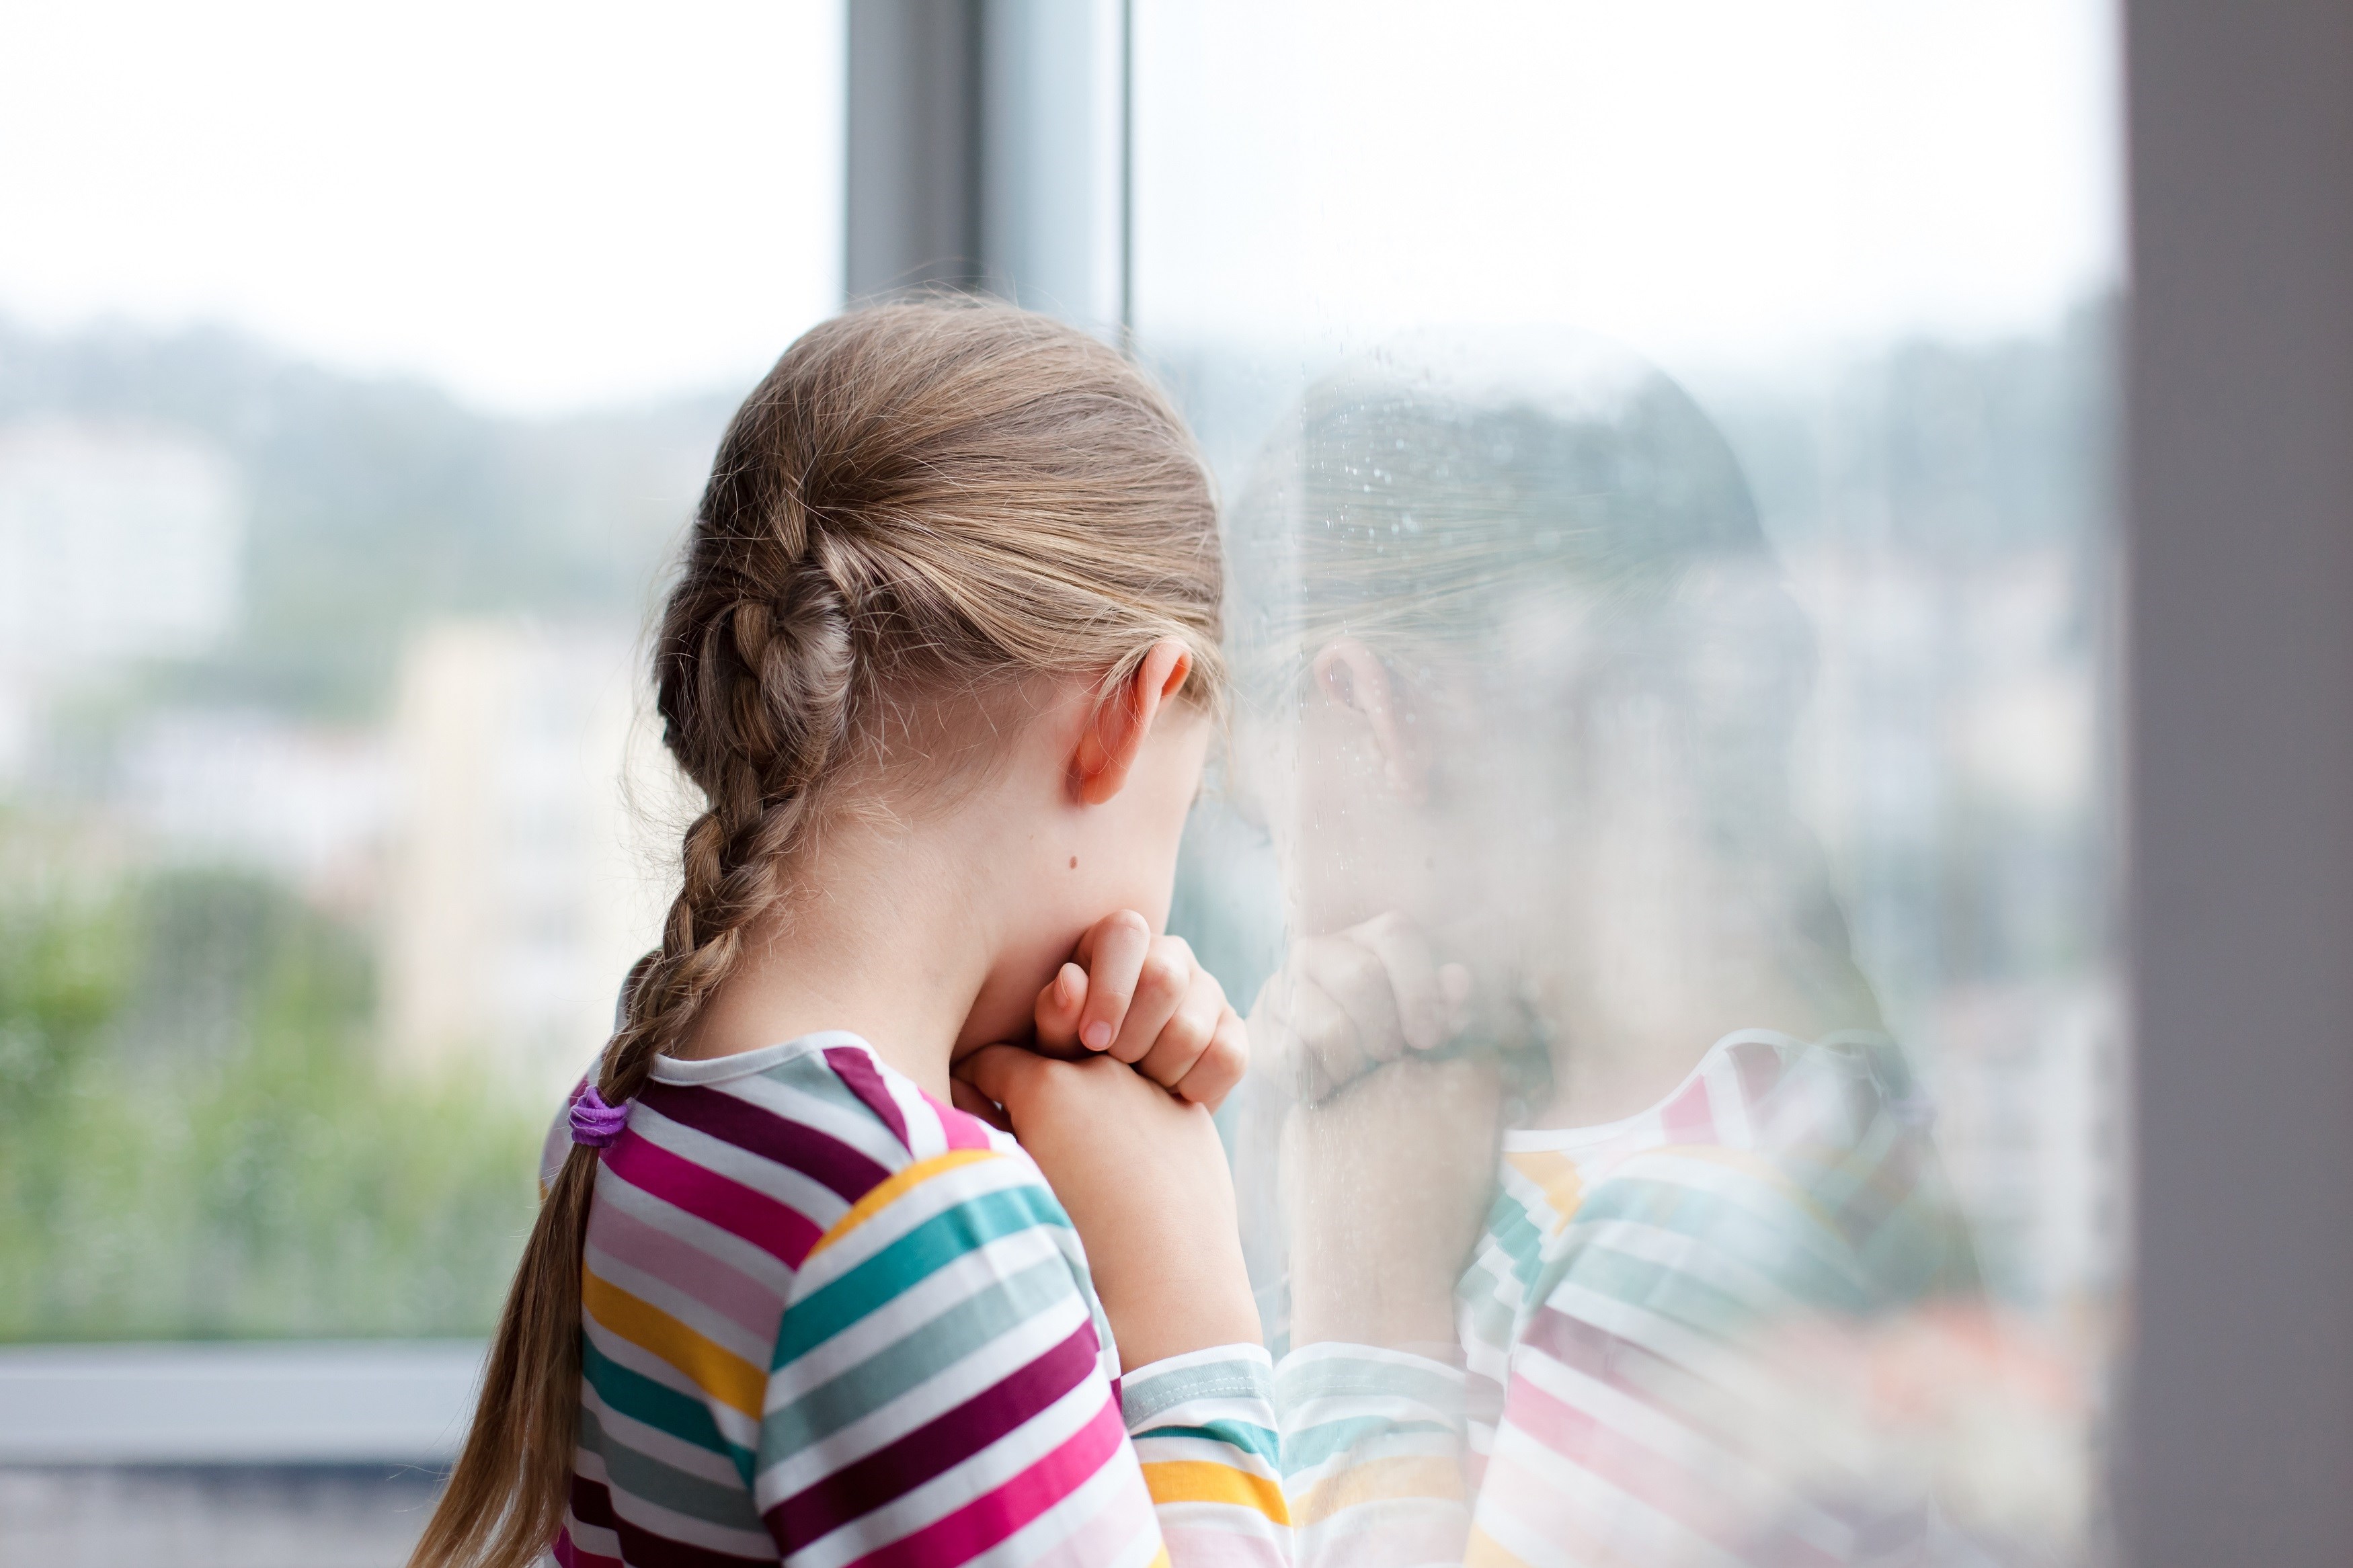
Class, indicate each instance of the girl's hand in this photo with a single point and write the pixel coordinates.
(1342, 1005)
(1143, 1176)
(1146, 1000)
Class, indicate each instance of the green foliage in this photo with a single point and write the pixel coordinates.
(62, 976)
(198, 1140)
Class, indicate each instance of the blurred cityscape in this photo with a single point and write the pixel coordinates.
(325, 787)
(314, 698)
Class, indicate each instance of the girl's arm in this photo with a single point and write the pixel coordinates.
(1384, 1185)
(1144, 1178)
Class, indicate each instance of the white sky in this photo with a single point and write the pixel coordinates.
(545, 205)
(1722, 180)
(539, 205)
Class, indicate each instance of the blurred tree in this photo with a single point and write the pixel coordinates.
(268, 1179)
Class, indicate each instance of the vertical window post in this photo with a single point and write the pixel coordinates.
(988, 149)
(2238, 1439)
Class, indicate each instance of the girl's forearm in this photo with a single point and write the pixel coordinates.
(1191, 1293)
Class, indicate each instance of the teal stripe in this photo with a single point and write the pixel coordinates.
(1144, 1397)
(860, 1390)
(1518, 1237)
(1326, 1377)
(1306, 1449)
(1772, 1237)
(1480, 1295)
(909, 1261)
(641, 1475)
(1249, 1438)
(641, 1398)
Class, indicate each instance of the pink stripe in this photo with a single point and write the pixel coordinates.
(1121, 1519)
(572, 1556)
(771, 1227)
(985, 1520)
(856, 1069)
(962, 1130)
(1680, 1490)
(671, 1259)
(1687, 1118)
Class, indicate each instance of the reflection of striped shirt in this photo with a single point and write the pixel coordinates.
(1632, 1325)
(829, 1322)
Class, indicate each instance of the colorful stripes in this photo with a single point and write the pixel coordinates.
(1621, 1399)
(830, 1322)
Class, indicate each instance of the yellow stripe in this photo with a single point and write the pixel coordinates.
(720, 1374)
(1406, 1477)
(1205, 1480)
(1159, 1558)
(1482, 1552)
(914, 1175)
(1553, 1174)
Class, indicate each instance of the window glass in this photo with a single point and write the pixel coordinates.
(358, 368)
(1666, 841)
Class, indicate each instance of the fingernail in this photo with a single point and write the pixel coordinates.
(1096, 1035)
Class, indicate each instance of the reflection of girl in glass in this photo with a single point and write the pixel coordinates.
(1590, 1142)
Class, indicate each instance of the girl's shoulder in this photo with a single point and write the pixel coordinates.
(819, 1120)
(1817, 1156)
(826, 1103)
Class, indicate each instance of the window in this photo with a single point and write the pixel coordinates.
(358, 371)
(1668, 455)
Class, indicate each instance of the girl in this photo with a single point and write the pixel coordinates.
(941, 659)
(1602, 1188)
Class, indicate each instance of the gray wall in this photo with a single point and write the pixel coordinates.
(2239, 1442)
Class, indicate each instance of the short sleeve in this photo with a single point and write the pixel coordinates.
(938, 1389)
(1204, 1429)
(1646, 1416)
(1373, 1449)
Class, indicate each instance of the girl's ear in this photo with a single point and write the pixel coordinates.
(1114, 737)
(1351, 676)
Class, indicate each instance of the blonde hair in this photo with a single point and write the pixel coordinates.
(924, 506)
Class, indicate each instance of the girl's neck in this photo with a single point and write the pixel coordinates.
(879, 938)
(1612, 1060)
(1668, 952)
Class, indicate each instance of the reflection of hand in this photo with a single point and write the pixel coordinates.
(1146, 1000)
(1385, 1185)
(1342, 1005)
(1144, 1178)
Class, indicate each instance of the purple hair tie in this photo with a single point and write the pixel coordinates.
(594, 1122)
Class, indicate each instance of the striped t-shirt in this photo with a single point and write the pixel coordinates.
(827, 1320)
(1638, 1323)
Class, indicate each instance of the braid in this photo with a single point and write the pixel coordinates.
(777, 681)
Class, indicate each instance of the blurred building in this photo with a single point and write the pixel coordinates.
(527, 865)
(1954, 769)
(117, 543)
(305, 803)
